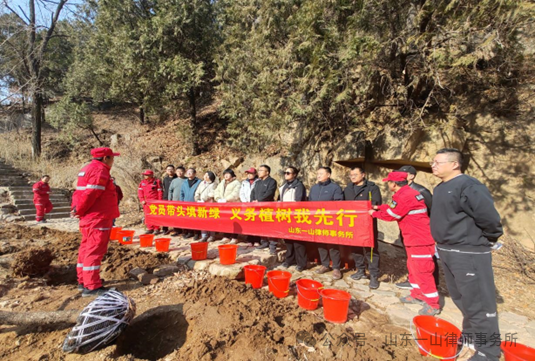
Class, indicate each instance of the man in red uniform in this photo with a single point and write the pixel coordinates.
(409, 210)
(150, 189)
(95, 203)
(41, 199)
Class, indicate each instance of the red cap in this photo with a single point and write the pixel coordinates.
(251, 170)
(148, 172)
(103, 152)
(396, 177)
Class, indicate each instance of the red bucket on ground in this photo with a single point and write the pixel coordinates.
(513, 351)
(227, 253)
(254, 275)
(279, 283)
(145, 240)
(114, 233)
(436, 337)
(125, 237)
(335, 305)
(308, 295)
(162, 244)
(199, 251)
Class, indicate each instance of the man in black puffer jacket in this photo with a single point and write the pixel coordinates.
(326, 190)
(361, 189)
(264, 191)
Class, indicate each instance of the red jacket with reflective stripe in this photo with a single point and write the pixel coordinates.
(150, 189)
(95, 196)
(409, 210)
(41, 193)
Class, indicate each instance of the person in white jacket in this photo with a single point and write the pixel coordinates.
(228, 191)
(206, 193)
(248, 184)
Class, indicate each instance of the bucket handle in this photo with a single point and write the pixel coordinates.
(273, 285)
(257, 270)
(306, 298)
(429, 352)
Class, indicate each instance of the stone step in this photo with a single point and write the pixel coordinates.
(54, 200)
(24, 194)
(25, 212)
(15, 182)
(20, 207)
(49, 216)
(23, 188)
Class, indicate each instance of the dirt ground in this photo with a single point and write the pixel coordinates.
(194, 316)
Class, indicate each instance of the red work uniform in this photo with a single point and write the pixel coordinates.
(95, 201)
(409, 210)
(150, 189)
(41, 200)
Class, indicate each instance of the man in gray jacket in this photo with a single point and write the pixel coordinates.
(173, 194)
(187, 194)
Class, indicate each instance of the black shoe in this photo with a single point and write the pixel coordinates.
(404, 285)
(284, 265)
(157, 232)
(196, 237)
(168, 232)
(42, 221)
(175, 234)
(150, 231)
(374, 283)
(96, 292)
(188, 235)
(272, 252)
(360, 274)
(81, 287)
(300, 269)
(263, 246)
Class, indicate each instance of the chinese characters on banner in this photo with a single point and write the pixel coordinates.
(344, 222)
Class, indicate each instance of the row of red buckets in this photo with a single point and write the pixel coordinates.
(433, 335)
(145, 240)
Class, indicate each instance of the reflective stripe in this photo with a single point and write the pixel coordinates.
(418, 211)
(429, 295)
(79, 265)
(36, 189)
(159, 189)
(38, 204)
(421, 256)
(80, 188)
(389, 211)
(458, 251)
(91, 268)
(140, 188)
(414, 285)
(103, 229)
(81, 174)
(94, 186)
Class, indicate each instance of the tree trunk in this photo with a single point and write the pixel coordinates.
(141, 115)
(193, 122)
(37, 114)
(96, 136)
(55, 319)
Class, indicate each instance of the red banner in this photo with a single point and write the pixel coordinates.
(338, 222)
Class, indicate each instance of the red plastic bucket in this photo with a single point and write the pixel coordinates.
(279, 283)
(162, 244)
(335, 305)
(125, 237)
(199, 251)
(227, 253)
(436, 337)
(254, 275)
(145, 240)
(517, 352)
(308, 295)
(114, 233)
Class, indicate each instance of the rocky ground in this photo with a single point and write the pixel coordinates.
(202, 310)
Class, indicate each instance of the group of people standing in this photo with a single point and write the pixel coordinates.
(462, 228)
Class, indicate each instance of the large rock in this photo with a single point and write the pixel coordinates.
(232, 271)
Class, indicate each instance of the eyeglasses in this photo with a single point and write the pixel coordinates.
(288, 173)
(438, 163)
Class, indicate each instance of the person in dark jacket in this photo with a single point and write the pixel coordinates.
(428, 198)
(170, 174)
(465, 225)
(361, 189)
(293, 191)
(326, 190)
(264, 191)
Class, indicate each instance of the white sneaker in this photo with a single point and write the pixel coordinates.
(233, 241)
(210, 239)
(225, 239)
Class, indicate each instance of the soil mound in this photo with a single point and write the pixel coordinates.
(120, 260)
(33, 262)
(228, 320)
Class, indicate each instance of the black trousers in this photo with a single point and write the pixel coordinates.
(272, 243)
(470, 282)
(363, 256)
(296, 253)
(327, 250)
